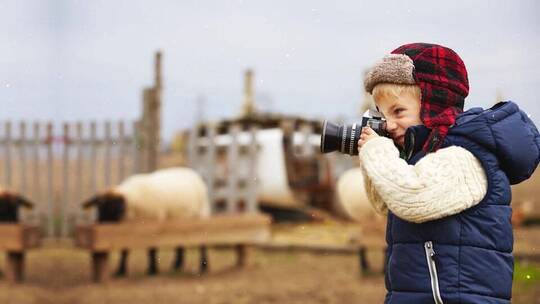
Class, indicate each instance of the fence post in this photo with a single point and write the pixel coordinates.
(137, 148)
(232, 172)
(21, 144)
(50, 179)
(151, 118)
(121, 141)
(79, 170)
(93, 164)
(107, 161)
(64, 209)
(7, 160)
(36, 145)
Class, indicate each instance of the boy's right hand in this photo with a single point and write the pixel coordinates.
(366, 135)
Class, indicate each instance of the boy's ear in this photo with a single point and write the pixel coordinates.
(95, 200)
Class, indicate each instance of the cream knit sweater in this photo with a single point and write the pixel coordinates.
(442, 183)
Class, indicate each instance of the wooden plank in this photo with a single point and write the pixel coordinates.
(36, 182)
(65, 210)
(22, 157)
(78, 189)
(92, 166)
(136, 168)
(50, 178)
(315, 248)
(218, 230)
(121, 142)
(107, 166)
(93, 157)
(18, 237)
(7, 155)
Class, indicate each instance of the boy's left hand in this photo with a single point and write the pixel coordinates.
(366, 135)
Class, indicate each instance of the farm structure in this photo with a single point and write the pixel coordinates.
(289, 170)
(241, 226)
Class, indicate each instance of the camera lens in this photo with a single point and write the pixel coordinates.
(340, 138)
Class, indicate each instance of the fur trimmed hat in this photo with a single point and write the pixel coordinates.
(442, 77)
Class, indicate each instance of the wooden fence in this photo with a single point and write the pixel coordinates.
(57, 166)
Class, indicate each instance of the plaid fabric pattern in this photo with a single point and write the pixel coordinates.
(442, 77)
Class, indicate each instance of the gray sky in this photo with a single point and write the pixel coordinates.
(71, 60)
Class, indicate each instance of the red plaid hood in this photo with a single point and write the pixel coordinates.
(442, 77)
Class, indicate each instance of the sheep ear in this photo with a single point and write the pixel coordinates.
(23, 201)
(95, 200)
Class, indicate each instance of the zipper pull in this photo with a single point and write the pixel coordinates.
(429, 249)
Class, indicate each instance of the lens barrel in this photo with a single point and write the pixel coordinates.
(340, 138)
(345, 138)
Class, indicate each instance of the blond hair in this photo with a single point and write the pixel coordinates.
(392, 90)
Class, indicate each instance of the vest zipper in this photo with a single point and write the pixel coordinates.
(430, 253)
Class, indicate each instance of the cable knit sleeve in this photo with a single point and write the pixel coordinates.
(440, 184)
(373, 196)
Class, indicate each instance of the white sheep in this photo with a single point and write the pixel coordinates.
(168, 194)
(352, 197)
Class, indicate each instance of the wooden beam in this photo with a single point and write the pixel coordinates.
(218, 230)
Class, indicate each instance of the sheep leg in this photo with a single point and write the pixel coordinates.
(152, 261)
(179, 260)
(100, 266)
(15, 266)
(122, 264)
(362, 256)
(204, 260)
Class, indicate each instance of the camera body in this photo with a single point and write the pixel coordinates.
(344, 138)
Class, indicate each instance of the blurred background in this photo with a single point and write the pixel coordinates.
(178, 83)
(72, 60)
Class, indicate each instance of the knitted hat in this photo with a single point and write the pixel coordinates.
(442, 77)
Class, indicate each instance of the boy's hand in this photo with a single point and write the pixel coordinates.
(366, 135)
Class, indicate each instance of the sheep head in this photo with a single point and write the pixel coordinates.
(111, 206)
(9, 206)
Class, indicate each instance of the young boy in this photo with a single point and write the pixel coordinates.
(444, 179)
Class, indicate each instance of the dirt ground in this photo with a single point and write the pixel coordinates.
(62, 276)
(59, 273)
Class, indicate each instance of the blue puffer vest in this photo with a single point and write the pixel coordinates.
(467, 257)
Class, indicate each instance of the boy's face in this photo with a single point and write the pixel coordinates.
(400, 113)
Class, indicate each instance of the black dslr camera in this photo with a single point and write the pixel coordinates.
(345, 138)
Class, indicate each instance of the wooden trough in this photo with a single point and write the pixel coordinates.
(240, 230)
(15, 239)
